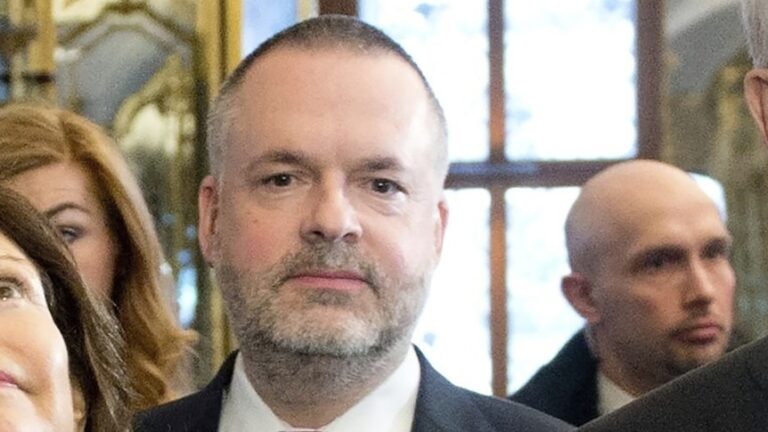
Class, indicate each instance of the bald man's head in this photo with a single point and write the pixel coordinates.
(616, 200)
(651, 273)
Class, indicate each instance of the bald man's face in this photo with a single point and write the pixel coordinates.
(663, 287)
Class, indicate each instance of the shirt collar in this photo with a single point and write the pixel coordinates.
(610, 396)
(392, 404)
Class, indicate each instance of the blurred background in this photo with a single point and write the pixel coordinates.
(539, 95)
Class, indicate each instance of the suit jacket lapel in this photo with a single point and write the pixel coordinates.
(443, 407)
(208, 402)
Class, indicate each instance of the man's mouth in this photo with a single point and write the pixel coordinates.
(702, 332)
(333, 280)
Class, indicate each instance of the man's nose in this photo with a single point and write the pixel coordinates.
(331, 216)
(701, 284)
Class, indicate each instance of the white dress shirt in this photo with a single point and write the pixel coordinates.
(388, 408)
(610, 396)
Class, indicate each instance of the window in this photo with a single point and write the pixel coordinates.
(262, 19)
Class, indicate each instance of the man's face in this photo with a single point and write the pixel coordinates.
(328, 217)
(664, 287)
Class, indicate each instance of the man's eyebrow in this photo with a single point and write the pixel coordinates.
(53, 211)
(667, 249)
(725, 239)
(724, 242)
(383, 163)
(377, 163)
(662, 248)
(279, 157)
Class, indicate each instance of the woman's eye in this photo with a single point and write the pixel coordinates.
(10, 290)
(69, 234)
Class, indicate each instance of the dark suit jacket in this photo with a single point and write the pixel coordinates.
(566, 387)
(729, 395)
(440, 406)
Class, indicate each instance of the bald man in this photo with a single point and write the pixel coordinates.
(730, 394)
(649, 255)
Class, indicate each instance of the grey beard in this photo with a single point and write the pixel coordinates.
(264, 320)
(299, 379)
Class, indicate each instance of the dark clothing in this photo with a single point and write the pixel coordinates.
(728, 395)
(440, 406)
(566, 387)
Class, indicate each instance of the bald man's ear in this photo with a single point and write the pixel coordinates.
(577, 289)
(756, 94)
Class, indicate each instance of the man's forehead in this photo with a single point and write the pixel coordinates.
(370, 99)
(289, 77)
(686, 225)
(629, 220)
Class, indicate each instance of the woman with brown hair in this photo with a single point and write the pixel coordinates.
(74, 174)
(61, 365)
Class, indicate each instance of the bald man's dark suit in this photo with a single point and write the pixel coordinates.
(440, 407)
(730, 395)
(566, 387)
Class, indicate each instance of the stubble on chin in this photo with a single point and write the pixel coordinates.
(687, 358)
(268, 316)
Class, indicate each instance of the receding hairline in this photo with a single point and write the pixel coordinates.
(325, 33)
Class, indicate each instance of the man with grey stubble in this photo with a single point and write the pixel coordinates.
(323, 218)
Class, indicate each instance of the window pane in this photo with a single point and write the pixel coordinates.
(454, 329)
(263, 18)
(714, 189)
(540, 319)
(449, 41)
(570, 77)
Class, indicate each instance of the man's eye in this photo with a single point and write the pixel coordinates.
(279, 180)
(10, 290)
(384, 186)
(657, 262)
(660, 261)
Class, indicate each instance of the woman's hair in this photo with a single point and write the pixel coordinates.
(34, 136)
(92, 337)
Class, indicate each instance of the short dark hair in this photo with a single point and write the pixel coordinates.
(94, 344)
(323, 32)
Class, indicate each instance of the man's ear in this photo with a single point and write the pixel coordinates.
(756, 94)
(208, 211)
(440, 224)
(578, 290)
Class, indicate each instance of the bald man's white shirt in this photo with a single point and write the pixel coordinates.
(610, 396)
(389, 408)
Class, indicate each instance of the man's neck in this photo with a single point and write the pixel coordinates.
(310, 391)
(631, 381)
